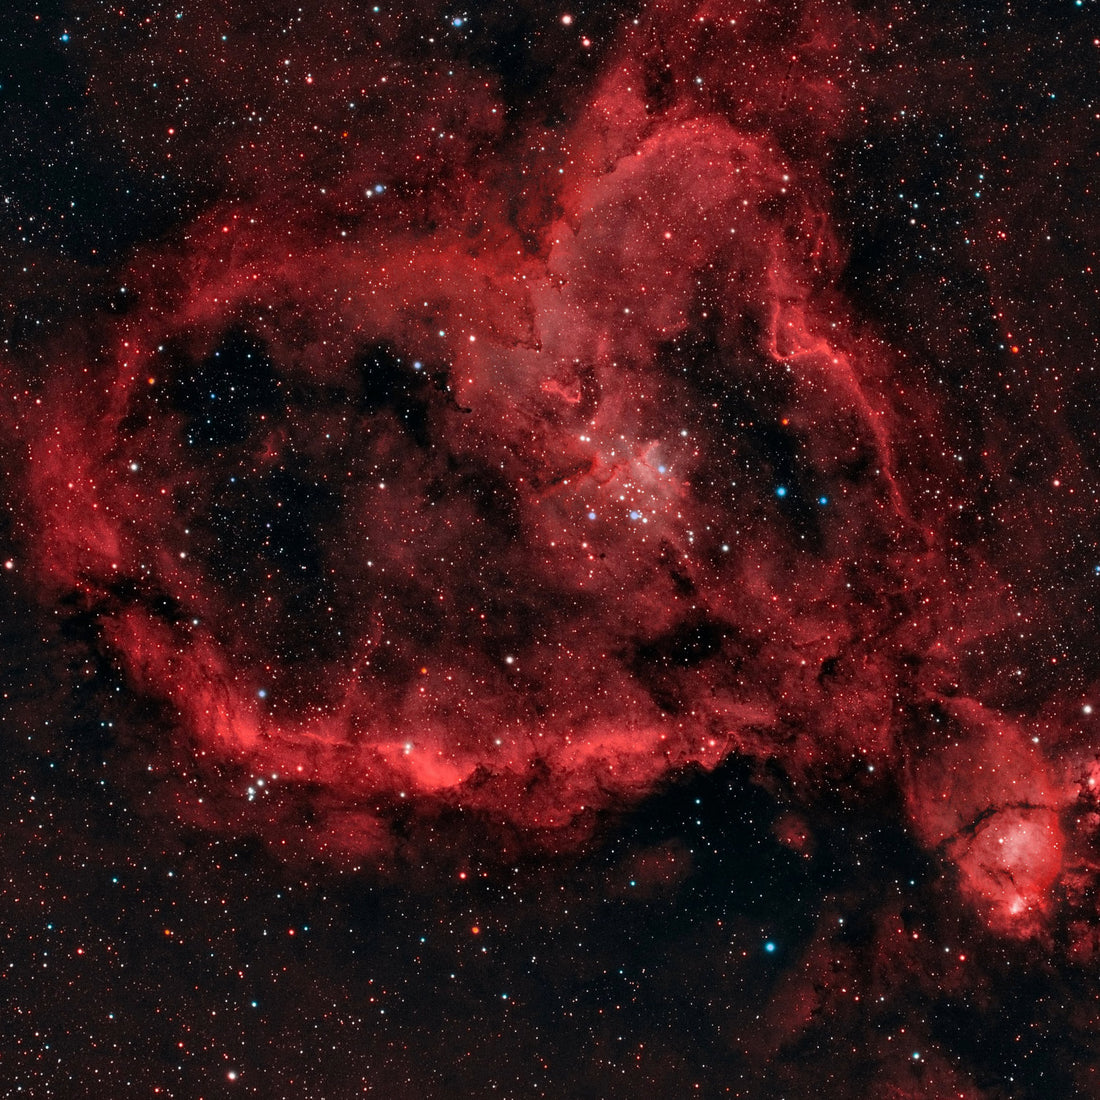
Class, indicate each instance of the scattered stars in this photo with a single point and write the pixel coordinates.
(463, 370)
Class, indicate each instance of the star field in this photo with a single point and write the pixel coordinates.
(549, 551)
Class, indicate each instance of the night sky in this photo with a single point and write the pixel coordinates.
(550, 551)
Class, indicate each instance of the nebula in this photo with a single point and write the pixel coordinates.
(455, 453)
(393, 495)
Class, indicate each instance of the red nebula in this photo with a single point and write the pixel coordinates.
(518, 486)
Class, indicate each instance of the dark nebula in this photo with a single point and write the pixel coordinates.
(550, 552)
